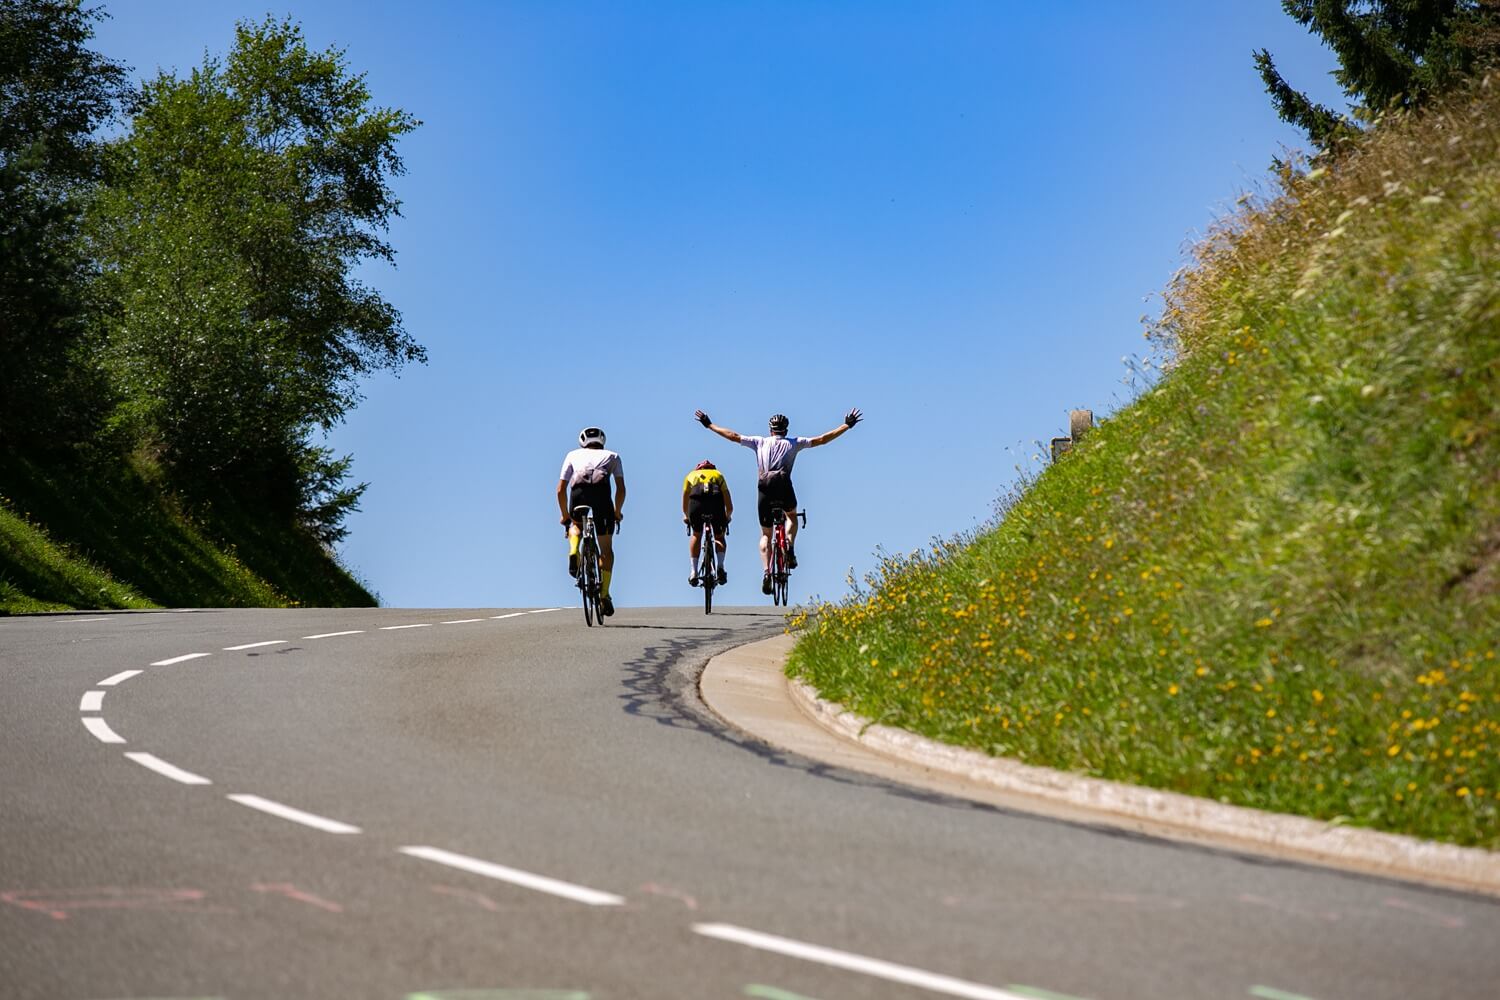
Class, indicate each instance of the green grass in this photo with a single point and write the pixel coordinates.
(105, 533)
(1274, 579)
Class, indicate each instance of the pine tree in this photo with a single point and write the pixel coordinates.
(1393, 55)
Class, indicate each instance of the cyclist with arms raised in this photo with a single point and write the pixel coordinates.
(774, 457)
(584, 482)
(705, 498)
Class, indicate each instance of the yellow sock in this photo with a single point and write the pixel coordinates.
(607, 575)
(572, 545)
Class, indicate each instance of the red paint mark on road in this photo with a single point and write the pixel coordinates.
(1119, 899)
(292, 892)
(60, 903)
(670, 893)
(1327, 916)
(1441, 919)
(469, 894)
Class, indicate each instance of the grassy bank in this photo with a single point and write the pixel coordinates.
(80, 533)
(1274, 579)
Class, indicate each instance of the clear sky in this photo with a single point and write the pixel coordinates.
(949, 214)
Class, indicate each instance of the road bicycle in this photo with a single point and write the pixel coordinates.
(780, 571)
(590, 567)
(708, 572)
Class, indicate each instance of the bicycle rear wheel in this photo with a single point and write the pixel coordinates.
(588, 583)
(708, 577)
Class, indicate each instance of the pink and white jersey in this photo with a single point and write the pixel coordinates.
(774, 454)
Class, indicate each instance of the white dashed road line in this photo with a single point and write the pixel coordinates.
(513, 614)
(253, 645)
(180, 659)
(330, 635)
(295, 815)
(856, 963)
(392, 628)
(123, 675)
(539, 883)
(154, 763)
(542, 611)
(101, 731)
(464, 621)
(92, 701)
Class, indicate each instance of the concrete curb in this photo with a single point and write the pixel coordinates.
(1152, 811)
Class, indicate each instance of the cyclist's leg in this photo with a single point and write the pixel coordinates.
(695, 547)
(791, 525)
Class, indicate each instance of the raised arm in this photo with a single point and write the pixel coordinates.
(723, 432)
(850, 419)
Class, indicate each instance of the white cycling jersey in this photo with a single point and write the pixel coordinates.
(774, 453)
(591, 467)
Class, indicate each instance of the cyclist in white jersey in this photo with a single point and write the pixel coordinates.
(584, 481)
(774, 458)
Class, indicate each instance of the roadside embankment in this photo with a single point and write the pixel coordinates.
(93, 533)
(1274, 579)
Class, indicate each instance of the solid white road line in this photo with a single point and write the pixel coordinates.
(295, 815)
(540, 883)
(79, 621)
(254, 645)
(855, 963)
(101, 730)
(513, 614)
(330, 635)
(154, 763)
(180, 659)
(392, 628)
(92, 701)
(463, 621)
(123, 675)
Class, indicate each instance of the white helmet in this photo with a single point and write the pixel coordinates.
(591, 435)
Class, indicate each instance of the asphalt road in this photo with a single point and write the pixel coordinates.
(509, 805)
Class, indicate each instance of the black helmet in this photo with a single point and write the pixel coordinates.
(779, 423)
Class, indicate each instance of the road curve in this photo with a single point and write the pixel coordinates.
(502, 803)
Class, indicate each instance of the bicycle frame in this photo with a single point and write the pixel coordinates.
(590, 566)
(779, 570)
(708, 576)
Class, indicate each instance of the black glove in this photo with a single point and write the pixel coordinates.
(702, 417)
(853, 417)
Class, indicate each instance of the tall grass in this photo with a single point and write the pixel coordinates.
(1274, 579)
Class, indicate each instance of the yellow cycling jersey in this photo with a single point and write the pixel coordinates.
(705, 482)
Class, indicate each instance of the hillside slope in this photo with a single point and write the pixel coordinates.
(1274, 579)
(107, 534)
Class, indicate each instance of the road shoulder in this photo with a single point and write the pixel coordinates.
(747, 687)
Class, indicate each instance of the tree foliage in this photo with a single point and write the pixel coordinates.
(239, 205)
(1393, 54)
(54, 92)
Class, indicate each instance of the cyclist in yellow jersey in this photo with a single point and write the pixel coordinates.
(706, 499)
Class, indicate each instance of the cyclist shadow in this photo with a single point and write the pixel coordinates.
(673, 628)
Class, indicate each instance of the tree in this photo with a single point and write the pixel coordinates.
(54, 92)
(1393, 54)
(239, 205)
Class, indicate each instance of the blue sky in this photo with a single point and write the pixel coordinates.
(949, 214)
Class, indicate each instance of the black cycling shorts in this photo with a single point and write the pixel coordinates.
(772, 493)
(708, 507)
(599, 498)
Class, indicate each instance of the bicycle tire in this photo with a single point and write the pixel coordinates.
(707, 578)
(589, 584)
